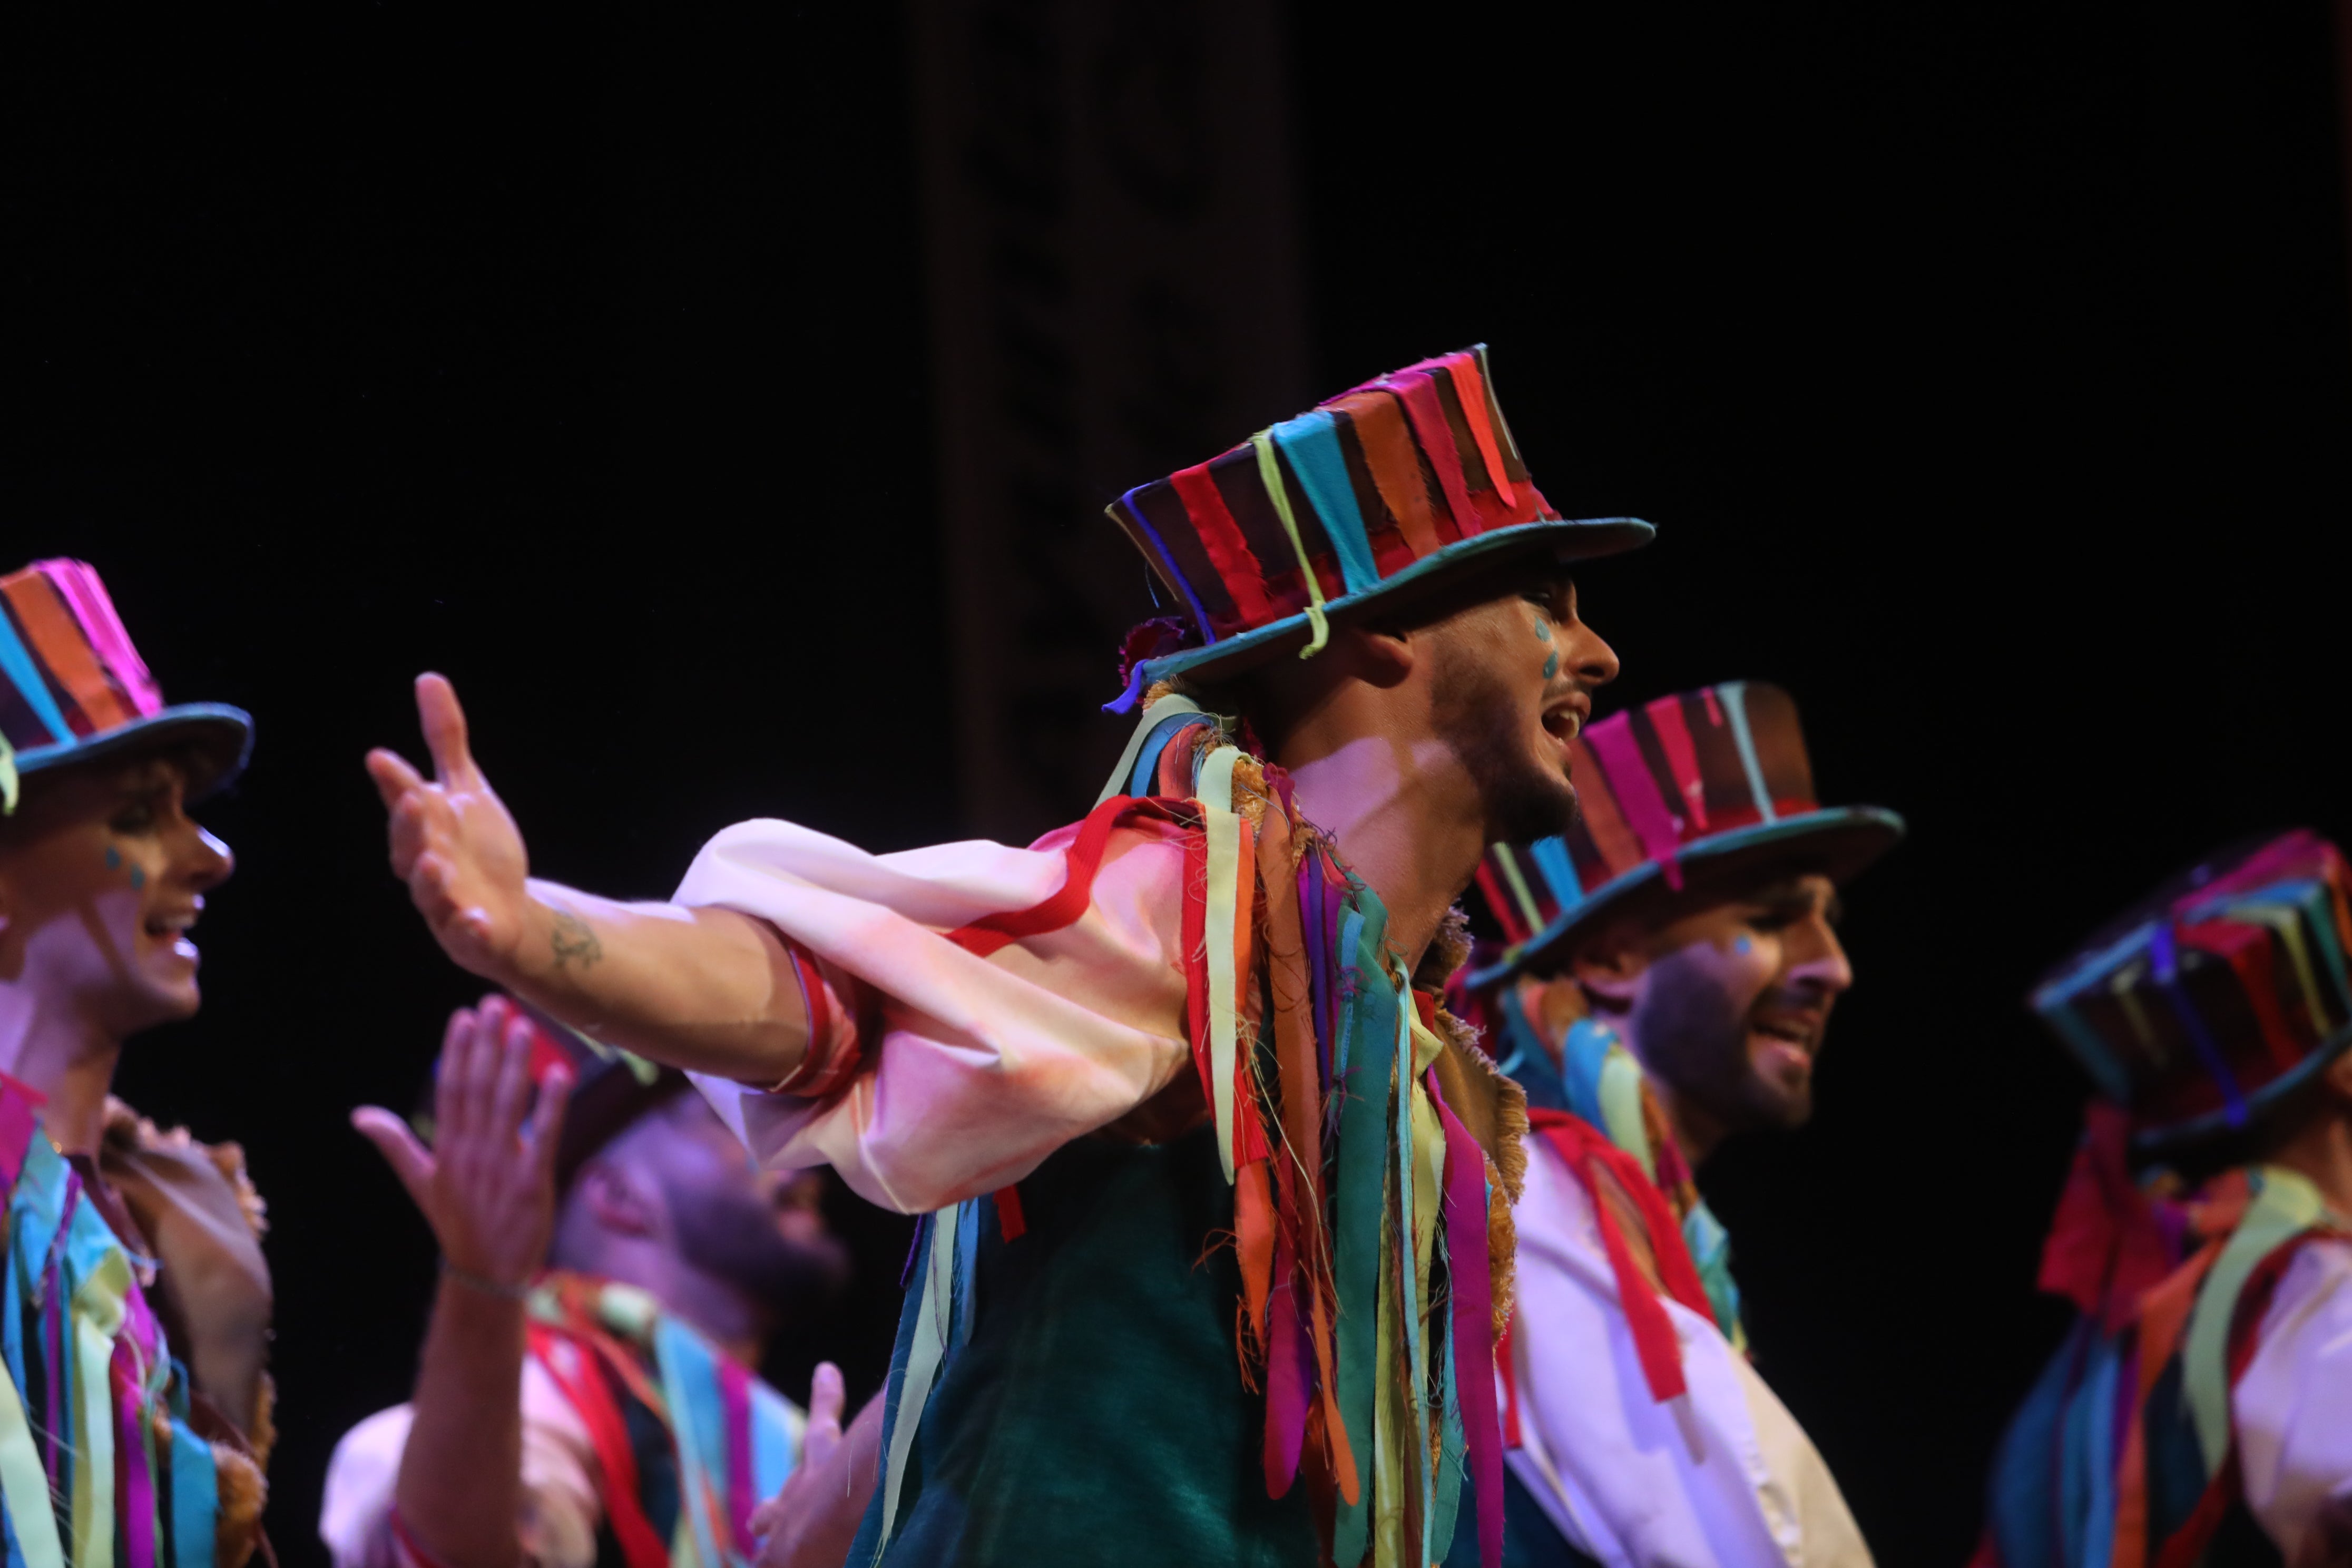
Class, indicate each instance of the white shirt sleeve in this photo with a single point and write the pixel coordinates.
(985, 1066)
(2293, 1407)
(1720, 1477)
(561, 1505)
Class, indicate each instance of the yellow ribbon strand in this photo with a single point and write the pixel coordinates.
(97, 1317)
(25, 1486)
(1214, 790)
(1269, 473)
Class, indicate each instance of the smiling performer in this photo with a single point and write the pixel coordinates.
(126, 1248)
(1672, 966)
(1216, 1202)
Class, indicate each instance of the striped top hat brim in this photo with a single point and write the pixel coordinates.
(1682, 803)
(1386, 493)
(73, 687)
(2217, 996)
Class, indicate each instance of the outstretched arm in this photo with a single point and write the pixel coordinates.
(487, 1188)
(705, 989)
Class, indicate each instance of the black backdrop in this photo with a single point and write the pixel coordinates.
(1988, 375)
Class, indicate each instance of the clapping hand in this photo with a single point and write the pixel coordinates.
(812, 1519)
(487, 1185)
(453, 842)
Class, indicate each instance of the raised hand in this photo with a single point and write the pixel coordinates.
(812, 1519)
(453, 842)
(487, 1185)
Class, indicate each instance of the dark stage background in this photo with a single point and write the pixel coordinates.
(1988, 374)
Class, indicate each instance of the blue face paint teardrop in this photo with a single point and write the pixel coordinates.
(1743, 946)
(138, 877)
(1551, 666)
(113, 859)
(1543, 631)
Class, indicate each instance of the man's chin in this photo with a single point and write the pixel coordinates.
(1522, 810)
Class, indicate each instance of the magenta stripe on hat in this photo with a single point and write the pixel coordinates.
(1636, 789)
(79, 586)
(1682, 756)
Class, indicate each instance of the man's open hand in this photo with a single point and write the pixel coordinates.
(487, 1185)
(453, 842)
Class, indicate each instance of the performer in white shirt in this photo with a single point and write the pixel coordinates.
(2201, 1409)
(1672, 966)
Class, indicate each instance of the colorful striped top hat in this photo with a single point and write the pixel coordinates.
(72, 688)
(2215, 997)
(1373, 497)
(1681, 802)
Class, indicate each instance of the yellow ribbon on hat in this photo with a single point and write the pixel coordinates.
(1269, 473)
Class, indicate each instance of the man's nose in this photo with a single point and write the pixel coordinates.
(211, 862)
(1818, 960)
(1590, 657)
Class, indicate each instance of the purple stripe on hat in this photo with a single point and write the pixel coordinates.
(1128, 505)
(2163, 955)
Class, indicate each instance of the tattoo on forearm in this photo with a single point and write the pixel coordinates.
(574, 938)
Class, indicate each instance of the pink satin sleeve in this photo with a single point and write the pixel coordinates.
(970, 1071)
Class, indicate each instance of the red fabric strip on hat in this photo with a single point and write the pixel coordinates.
(1682, 756)
(2247, 951)
(1471, 388)
(1596, 803)
(1237, 565)
(87, 597)
(52, 637)
(1636, 789)
(1418, 392)
(1388, 448)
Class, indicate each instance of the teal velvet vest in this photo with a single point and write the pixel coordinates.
(1092, 1411)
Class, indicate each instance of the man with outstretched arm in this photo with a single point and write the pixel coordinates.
(1175, 1077)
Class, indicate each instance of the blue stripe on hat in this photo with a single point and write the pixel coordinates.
(23, 672)
(2163, 949)
(1551, 857)
(1311, 442)
(1735, 706)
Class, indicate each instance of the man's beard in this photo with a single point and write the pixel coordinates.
(733, 1235)
(1695, 1038)
(1524, 799)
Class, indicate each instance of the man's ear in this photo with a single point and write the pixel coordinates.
(620, 1200)
(1385, 659)
(2338, 1077)
(1610, 969)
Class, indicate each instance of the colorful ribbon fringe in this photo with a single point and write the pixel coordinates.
(1362, 1203)
(111, 1455)
(736, 1439)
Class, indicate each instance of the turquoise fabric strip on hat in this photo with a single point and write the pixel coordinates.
(1680, 801)
(73, 689)
(1380, 494)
